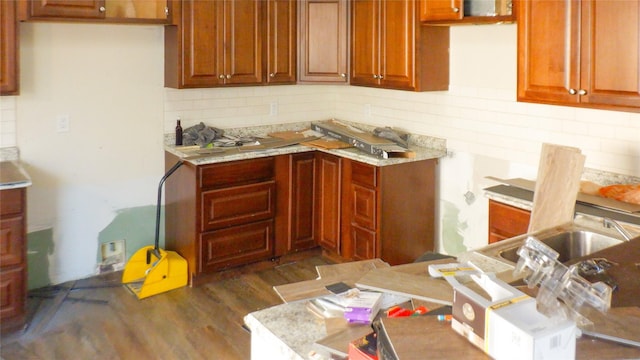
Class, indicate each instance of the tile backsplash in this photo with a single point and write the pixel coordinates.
(483, 121)
(7, 121)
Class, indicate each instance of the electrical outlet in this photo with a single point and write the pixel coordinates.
(62, 123)
(113, 255)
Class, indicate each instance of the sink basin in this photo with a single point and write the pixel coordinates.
(569, 244)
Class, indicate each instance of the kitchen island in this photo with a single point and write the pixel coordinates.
(289, 331)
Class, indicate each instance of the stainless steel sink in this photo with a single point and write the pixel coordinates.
(570, 245)
(570, 241)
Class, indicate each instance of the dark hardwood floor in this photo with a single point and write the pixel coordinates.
(97, 318)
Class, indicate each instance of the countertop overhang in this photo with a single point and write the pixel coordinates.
(13, 175)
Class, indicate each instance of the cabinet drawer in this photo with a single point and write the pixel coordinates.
(236, 172)
(506, 221)
(12, 293)
(363, 174)
(364, 243)
(364, 207)
(11, 241)
(237, 205)
(236, 245)
(11, 201)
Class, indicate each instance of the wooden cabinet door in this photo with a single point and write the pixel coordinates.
(434, 10)
(302, 201)
(548, 45)
(579, 52)
(8, 48)
(281, 41)
(201, 45)
(84, 9)
(221, 43)
(397, 34)
(365, 42)
(242, 46)
(610, 53)
(323, 37)
(506, 221)
(328, 195)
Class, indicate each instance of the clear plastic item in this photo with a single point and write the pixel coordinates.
(563, 292)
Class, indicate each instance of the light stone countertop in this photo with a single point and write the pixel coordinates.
(286, 331)
(13, 175)
(424, 147)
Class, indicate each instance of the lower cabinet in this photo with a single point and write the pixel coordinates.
(295, 178)
(13, 267)
(506, 221)
(221, 215)
(234, 213)
(388, 211)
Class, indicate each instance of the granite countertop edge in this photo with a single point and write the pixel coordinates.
(20, 178)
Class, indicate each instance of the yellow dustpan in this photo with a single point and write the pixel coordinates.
(151, 270)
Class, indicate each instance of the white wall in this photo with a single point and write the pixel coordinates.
(109, 80)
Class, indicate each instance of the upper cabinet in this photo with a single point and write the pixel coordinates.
(128, 11)
(221, 43)
(390, 49)
(8, 48)
(80, 9)
(455, 12)
(281, 41)
(323, 37)
(215, 43)
(580, 53)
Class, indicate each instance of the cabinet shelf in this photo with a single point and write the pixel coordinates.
(474, 20)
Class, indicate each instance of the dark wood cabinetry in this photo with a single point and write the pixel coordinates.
(581, 53)
(144, 11)
(453, 12)
(506, 221)
(231, 42)
(323, 38)
(388, 211)
(295, 227)
(8, 48)
(215, 43)
(282, 41)
(233, 213)
(328, 201)
(221, 215)
(13, 268)
(390, 49)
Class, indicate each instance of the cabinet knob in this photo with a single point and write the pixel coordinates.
(572, 91)
(582, 92)
(166, 11)
(375, 76)
(272, 75)
(343, 75)
(228, 76)
(456, 10)
(220, 76)
(380, 77)
(102, 9)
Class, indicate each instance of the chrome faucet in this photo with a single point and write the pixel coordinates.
(609, 223)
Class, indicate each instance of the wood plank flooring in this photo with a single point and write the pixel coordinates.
(101, 319)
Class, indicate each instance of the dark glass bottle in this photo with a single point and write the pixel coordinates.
(178, 133)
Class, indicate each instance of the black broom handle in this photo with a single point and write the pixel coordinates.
(156, 248)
